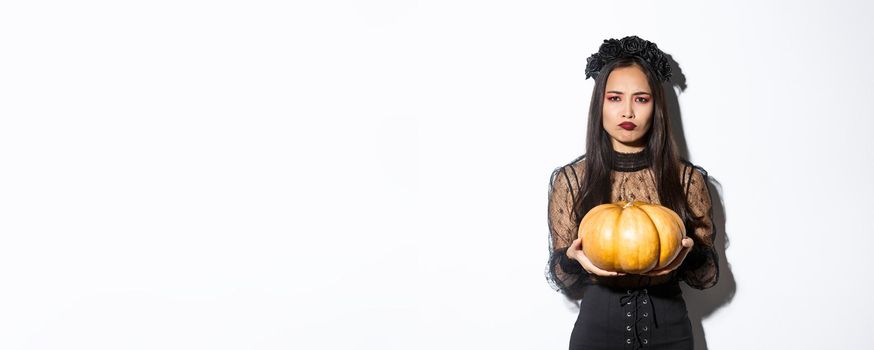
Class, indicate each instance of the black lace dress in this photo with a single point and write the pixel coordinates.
(632, 311)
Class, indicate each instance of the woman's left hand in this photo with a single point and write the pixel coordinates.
(687, 244)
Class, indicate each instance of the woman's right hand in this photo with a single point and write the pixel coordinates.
(575, 251)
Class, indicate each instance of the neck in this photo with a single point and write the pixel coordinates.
(628, 148)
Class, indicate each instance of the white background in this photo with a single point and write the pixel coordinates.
(373, 175)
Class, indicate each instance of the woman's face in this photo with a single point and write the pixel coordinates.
(628, 108)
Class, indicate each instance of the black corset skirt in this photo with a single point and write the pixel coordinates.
(653, 317)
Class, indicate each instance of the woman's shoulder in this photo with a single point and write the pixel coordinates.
(576, 166)
(688, 166)
(570, 172)
(692, 173)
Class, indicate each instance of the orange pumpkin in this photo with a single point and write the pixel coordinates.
(632, 237)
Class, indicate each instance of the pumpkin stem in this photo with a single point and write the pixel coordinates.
(628, 204)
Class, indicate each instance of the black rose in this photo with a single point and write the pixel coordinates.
(664, 68)
(610, 49)
(651, 52)
(593, 65)
(631, 44)
(628, 46)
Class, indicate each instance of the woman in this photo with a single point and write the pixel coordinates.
(630, 155)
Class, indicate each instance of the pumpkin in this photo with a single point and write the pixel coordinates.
(632, 237)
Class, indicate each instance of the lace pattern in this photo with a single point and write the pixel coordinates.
(631, 179)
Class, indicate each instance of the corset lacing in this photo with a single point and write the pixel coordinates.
(640, 314)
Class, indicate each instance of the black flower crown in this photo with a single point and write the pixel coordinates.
(626, 47)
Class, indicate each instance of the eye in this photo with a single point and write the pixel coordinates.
(643, 99)
(611, 98)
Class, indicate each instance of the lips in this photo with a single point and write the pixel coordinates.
(628, 125)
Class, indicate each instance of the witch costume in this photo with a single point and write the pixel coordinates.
(630, 311)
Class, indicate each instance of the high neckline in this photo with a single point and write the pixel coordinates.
(631, 161)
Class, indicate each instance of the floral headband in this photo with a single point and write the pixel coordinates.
(626, 47)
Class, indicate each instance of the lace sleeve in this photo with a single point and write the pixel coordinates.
(700, 270)
(563, 273)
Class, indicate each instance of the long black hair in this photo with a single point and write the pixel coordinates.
(665, 159)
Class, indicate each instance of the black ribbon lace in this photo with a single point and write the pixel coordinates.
(631, 161)
(641, 315)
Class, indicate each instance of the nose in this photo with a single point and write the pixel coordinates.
(628, 112)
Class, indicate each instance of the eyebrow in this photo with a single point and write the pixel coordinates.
(636, 93)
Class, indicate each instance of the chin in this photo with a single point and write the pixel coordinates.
(632, 143)
(628, 141)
